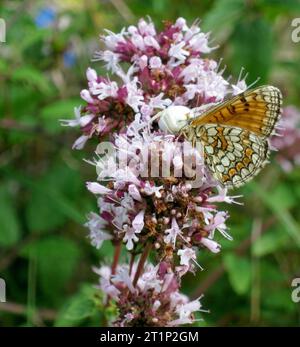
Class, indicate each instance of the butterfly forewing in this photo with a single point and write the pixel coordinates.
(234, 134)
(255, 110)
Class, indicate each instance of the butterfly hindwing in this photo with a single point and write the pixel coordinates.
(233, 155)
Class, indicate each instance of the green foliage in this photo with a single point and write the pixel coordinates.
(45, 255)
(57, 258)
(81, 306)
(10, 228)
(239, 272)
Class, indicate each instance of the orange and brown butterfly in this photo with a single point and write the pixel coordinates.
(234, 134)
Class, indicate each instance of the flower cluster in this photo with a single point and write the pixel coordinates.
(166, 68)
(155, 300)
(155, 196)
(288, 143)
(154, 190)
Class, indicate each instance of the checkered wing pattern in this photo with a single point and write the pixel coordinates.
(234, 134)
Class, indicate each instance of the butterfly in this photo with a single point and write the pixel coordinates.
(234, 134)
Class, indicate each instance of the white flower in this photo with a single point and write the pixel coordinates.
(134, 97)
(138, 222)
(213, 246)
(150, 41)
(239, 88)
(199, 43)
(85, 95)
(97, 188)
(218, 223)
(104, 90)
(142, 62)
(132, 30)
(150, 280)
(79, 120)
(223, 197)
(155, 62)
(120, 217)
(146, 28)
(149, 189)
(80, 142)
(105, 285)
(130, 236)
(185, 313)
(186, 255)
(110, 58)
(122, 276)
(176, 51)
(134, 192)
(96, 224)
(158, 101)
(181, 24)
(192, 70)
(190, 32)
(91, 75)
(125, 175)
(172, 233)
(112, 40)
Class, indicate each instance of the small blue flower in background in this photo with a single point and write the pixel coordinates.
(69, 58)
(45, 17)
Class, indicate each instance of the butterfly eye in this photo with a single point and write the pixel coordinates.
(173, 118)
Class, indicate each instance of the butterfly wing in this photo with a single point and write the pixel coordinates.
(256, 110)
(233, 155)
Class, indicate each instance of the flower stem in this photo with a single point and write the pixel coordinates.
(131, 263)
(141, 263)
(117, 253)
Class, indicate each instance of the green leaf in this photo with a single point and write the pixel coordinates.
(282, 214)
(253, 48)
(239, 272)
(42, 212)
(223, 12)
(81, 306)
(271, 242)
(53, 199)
(279, 6)
(56, 258)
(32, 77)
(10, 231)
(283, 196)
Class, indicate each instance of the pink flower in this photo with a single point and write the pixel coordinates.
(97, 188)
(172, 233)
(130, 236)
(213, 246)
(138, 222)
(186, 255)
(155, 62)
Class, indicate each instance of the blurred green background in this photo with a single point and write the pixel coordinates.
(45, 256)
